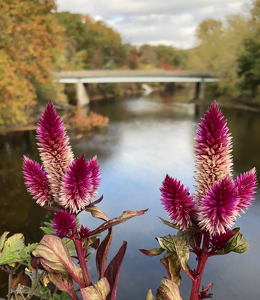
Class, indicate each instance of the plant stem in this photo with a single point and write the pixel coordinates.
(200, 268)
(10, 269)
(82, 259)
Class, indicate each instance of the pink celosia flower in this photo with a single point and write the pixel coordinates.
(79, 183)
(218, 241)
(213, 159)
(94, 170)
(218, 208)
(246, 184)
(54, 148)
(178, 202)
(36, 181)
(64, 223)
(84, 232)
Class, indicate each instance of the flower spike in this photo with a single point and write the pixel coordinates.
(246, 185)
(178, 202)
(218, 241)
(36, 181)
(218, 208)
(54, 148)
(213, 158)
(79, 184)
(64, 223)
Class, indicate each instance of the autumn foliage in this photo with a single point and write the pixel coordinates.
(29, 40)
(78, 119)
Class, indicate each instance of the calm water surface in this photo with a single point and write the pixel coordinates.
(147, 138)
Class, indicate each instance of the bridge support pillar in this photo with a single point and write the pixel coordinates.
(82, 94)
(200, 90)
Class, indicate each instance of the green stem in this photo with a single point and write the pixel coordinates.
(200, 268)
(82, 260)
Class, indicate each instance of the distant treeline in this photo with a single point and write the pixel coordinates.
(34, 40)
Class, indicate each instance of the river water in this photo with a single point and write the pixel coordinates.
(147, 138)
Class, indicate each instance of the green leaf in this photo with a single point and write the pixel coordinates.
(177, 245)
(31, 247)
(183, 251)
(11, 246)
(168, 290)
(69, 244)
(172, 266)
(152, 252)
(10, 259)
(166, 242)
(20, 245)
(47, 229)
(236, 243)
(175, 226)
(98, 291)
(3, 239)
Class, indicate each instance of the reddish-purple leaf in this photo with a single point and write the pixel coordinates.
(63, 283)
(102, 253)
(55, 258)
(113, 270)
(128, 214)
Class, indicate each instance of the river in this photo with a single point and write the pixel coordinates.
(147, 138)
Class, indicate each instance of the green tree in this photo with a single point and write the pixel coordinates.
(218, 48)
(249, 57)
(249, 66)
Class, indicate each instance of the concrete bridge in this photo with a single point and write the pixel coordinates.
(83, 78)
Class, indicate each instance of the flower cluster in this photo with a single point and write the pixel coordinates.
(68, 182)
(219, 199)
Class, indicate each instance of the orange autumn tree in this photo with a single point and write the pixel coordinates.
(29, 41)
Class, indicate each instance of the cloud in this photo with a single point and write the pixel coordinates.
(151, 21)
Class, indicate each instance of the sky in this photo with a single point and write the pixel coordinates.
(167, 22)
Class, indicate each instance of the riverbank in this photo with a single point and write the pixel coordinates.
(87, 120)
(233, 103)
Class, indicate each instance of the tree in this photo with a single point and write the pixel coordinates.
(249, 56)
(207, 27)
(218, 48)
(29, 42)
(249, 65)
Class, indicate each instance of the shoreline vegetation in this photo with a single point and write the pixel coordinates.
(39, 40)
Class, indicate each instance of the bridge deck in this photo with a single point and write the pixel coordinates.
(103, 76)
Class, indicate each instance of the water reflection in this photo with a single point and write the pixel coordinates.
(147, 138)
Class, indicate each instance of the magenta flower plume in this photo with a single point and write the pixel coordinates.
(218, 208)
(219, 241)
(178, 202)
(78, 184)
(246, 185)
(64, 223)
(36, 181)
(84, 232)
(54, 148)
(94, 170)
(213, 158)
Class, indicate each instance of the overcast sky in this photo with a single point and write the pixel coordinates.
(168, 22)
